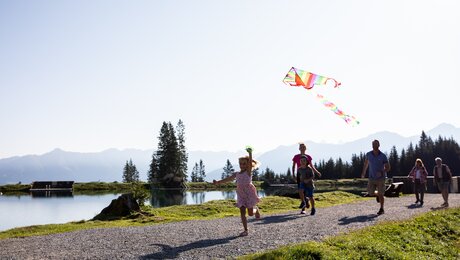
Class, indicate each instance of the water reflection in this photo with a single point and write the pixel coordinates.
(169, 197)
(227, 195)
(198, 197)
(50, 194)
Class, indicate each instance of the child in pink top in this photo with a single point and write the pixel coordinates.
(246, 191)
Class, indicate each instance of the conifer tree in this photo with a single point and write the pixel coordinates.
(153, 169)
(168, 151)
(255, 174)
(201, 172)
(170, 159)
(393, 161)
(227, 170)
(194, 175)
(130, 173)
(183, 156)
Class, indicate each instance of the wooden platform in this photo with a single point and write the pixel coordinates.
(52, 186)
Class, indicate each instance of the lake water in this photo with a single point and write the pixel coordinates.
(27, 210)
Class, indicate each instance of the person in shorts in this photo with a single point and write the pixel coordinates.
(296, 165)
(442, 179)
(306, 185)
(378, 165)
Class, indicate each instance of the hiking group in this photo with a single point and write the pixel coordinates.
(376, 164)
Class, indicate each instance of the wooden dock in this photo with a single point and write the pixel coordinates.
(52, 186)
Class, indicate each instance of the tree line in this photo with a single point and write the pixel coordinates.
(401, 163)
(168, 166)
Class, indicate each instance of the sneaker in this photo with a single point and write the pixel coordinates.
(417, 201)
(302, 212)
(421, 203)
(381, 211)
(445, 204)
(313, 211)
(302, 204)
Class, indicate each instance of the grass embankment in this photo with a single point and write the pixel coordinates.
(79, 187)
(210, 210)
(211, 186)
(15, 188)
(85, 187)
(433, 235)
(104, 187)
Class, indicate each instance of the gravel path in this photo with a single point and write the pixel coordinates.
(214, 239)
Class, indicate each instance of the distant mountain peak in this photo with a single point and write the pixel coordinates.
(56, 150)
(444, 126)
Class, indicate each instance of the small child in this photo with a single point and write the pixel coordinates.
(306, 186)
(246, 191)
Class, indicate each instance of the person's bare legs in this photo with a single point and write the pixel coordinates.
(244, 220)
(445, 196)
(302, 196)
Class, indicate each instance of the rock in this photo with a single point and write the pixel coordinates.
(120, 207)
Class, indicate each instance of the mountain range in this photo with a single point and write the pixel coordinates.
(107, 166)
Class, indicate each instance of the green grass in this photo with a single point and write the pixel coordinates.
(210, 210)
(15, 188)
(433, 235)
(211, 186)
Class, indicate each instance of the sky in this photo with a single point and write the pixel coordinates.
(86, 76)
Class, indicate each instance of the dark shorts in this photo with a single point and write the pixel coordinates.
(307, 190)
(443, 185)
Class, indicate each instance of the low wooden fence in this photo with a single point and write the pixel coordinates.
(430, 187)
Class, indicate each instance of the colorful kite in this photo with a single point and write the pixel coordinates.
(296, 77)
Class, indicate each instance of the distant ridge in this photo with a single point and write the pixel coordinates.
(107, 166)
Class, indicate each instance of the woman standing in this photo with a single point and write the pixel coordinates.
(418, 174)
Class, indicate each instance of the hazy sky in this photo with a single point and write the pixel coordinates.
(85, 76)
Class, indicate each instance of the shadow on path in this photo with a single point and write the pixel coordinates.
(438, 208)
(275, 219)
(414, 206)
(169, 252)
(363, 218)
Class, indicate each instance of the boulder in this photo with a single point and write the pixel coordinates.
(123, 206)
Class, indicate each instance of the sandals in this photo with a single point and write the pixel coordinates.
(244, 233)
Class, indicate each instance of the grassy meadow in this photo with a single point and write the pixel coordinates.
(433, 235)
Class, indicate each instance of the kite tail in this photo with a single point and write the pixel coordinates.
(336, 83)
(349, 119)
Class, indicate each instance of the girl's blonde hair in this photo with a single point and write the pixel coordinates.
(255, 164)
(420, 161)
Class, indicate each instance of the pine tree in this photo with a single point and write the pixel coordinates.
(255, 175)
(228, 170)
(194, 175)
(183, 156)
(393, 161)
(201, 172)
(130, 173)
(168, 152)
(153, 170)
(169, 163)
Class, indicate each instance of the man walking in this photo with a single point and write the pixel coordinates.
(378, 167)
